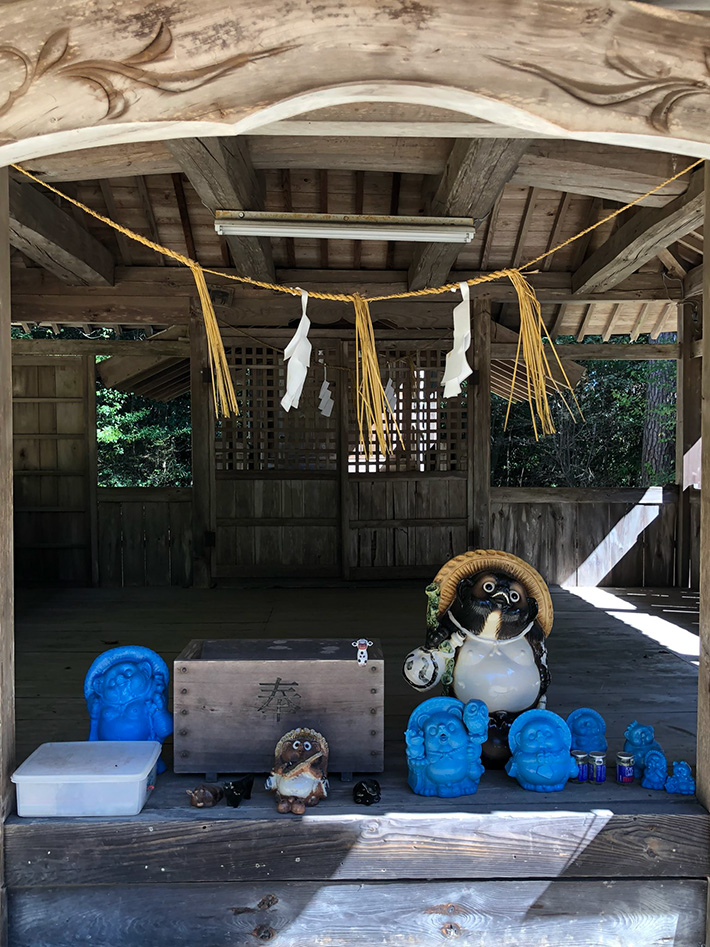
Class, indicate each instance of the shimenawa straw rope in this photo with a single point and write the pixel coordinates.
(372, 405)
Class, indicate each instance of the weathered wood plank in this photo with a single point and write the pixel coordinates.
(51, 237)
(569, 913)
(440, 845)
(475, 174)
(147, 349)
(110, 545)
(169, 283)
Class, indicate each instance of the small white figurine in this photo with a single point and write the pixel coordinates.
(362, 644)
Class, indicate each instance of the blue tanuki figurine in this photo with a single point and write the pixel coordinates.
(126, 693)
(640, 741)
(540, 743)
(655, 771)
(588, 730)
(444, 739)
(682, 779)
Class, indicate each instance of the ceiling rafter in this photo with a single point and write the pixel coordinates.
(221, 172)
(475, 174)
(50, 236)
(639, 240)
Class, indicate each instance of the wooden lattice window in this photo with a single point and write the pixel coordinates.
(263, 436)
(433, 430)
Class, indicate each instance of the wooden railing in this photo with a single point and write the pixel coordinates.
(144, 536)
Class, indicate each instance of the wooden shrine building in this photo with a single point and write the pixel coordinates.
(533, 121)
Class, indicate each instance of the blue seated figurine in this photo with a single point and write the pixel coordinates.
(126, 693)
(682, 780)
(444, 739)
(640, 741)
(655, 771)
(540, 742)
(588, 730)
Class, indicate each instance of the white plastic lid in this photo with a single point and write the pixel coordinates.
(89, 761)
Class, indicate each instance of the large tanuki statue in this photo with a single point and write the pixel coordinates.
(488, 615)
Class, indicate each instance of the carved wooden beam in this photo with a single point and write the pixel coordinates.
(103, 78)
(474, 176)
(639, 240)
(53, 238)
(221, 172)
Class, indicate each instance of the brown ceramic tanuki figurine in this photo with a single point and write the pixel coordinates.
(204, 797)
(300, 771)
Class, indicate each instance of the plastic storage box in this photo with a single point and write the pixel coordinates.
(87, 779)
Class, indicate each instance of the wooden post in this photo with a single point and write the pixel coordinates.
(203, 457)
(343, 460)
(703, 764)
(7, 647)
(688, 413)
(479, 428)
(92, 472)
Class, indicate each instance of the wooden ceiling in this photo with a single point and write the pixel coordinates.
(376, 159)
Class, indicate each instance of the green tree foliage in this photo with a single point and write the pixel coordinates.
(603, 451)
(142, 443)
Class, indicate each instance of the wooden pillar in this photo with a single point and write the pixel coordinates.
(703, 766)
(7, 644)
(479, 428)
(343, 461)
(688, 411)
(203, 457)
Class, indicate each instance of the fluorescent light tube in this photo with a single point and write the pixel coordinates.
(332, 227)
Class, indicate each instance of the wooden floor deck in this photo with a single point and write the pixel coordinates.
(637, 859)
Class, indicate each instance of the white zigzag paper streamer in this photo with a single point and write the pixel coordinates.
(391, 395)
(326, 403)
(457, 367)
(298, 356)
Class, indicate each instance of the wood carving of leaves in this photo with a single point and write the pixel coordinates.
(103, 74)
(672, 89)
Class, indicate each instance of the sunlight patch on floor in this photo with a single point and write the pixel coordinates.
(666, 633)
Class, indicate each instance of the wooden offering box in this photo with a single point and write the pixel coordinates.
(234, 700)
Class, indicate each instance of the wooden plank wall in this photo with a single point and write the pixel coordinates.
(407, 525)
(276, 526)
(574, 537)
(54, 447)
(145, 536)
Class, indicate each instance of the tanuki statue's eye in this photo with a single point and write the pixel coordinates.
(296, 744)
(306, 745)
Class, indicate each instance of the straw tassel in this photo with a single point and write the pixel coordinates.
(372, 404)
(225, 400)
(534, 354)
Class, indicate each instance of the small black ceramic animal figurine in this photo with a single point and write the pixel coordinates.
(300, 773)
(366, 792)
(204, 797)
(237, 789)
(488, 616)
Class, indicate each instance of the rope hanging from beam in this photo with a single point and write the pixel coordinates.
(372, 404)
